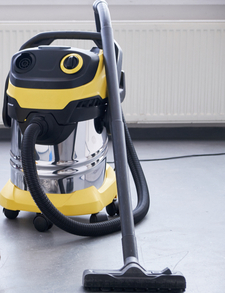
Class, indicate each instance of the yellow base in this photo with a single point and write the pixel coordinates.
(80, 202)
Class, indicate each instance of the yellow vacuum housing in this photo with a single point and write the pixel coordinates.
(67, 86)
(64, 84)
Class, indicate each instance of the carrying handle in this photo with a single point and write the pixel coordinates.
(46, 38)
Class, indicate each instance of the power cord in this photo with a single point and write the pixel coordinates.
(178, 157)
(182, 157)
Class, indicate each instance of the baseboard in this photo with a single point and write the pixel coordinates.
(178, 133)
(5, 133)
(160, 133)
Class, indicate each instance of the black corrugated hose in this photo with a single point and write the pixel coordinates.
(56, 217)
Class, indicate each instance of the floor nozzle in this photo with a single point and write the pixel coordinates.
(132, 277)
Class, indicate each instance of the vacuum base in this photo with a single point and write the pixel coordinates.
(80, 202)
(133, 278)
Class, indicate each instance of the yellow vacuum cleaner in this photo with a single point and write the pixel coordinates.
(62, 103)
(66, 88)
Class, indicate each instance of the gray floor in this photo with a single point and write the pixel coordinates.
(183, 230)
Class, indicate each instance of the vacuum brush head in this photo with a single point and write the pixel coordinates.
(132, 277)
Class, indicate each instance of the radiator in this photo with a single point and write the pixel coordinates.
(175, 71)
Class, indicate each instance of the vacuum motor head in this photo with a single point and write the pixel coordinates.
(63, 85)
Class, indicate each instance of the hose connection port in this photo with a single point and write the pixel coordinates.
(24, 62)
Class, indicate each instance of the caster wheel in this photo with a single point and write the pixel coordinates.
(113, 208)
(50, 225)
(10, 214)
(41, 223)
(99, 217)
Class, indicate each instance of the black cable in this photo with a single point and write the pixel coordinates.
(182, 157)
(177, 157)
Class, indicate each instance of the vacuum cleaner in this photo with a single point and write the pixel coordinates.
(62, 103)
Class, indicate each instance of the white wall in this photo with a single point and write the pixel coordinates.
(34, 14)
(45, 10)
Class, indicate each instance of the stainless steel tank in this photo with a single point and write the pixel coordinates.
(76, 163)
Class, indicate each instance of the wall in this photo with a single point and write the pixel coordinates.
(45, 10)
(169, 74)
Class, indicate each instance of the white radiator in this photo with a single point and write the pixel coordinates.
(175, 71)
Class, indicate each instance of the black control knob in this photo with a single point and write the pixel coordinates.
(71, 62)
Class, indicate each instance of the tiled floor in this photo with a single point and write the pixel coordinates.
(183, 230)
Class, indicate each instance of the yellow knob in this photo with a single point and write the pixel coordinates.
(71, 63)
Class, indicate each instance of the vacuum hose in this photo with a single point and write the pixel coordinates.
(65, 223)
